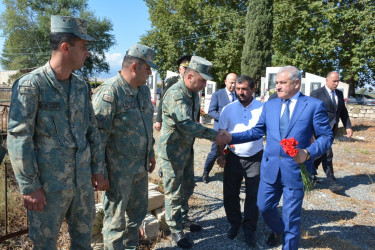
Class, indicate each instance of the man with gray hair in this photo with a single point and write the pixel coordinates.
(124, 113)
(295, 115)
(54, 143)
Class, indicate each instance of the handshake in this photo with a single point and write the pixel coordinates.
(223, 137)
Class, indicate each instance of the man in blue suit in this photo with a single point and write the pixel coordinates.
(292, 114)
(219, 99)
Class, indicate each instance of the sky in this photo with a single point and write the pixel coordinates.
(130, 20)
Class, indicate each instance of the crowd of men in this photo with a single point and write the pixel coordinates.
(63, 146)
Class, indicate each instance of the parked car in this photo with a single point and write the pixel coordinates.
(361, 99)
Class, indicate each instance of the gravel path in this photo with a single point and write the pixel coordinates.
(344, 220)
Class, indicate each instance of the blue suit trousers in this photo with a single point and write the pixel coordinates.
(289, 225)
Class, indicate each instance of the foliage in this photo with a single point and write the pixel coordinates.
(322, 36)
(207, 28)
(26, 27)
(257, 53)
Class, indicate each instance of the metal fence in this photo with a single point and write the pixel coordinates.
(4, 112)
(5, 94)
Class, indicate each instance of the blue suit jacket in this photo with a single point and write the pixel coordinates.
(218, 101)
(309, 117)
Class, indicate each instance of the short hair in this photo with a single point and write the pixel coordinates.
(328, 75)
(293, 72)
(129, 60)
(246, 78)
(56, 39)
(188, 71)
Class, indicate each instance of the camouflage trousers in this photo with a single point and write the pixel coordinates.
(125, 207)
(77, 206)
(178, 179)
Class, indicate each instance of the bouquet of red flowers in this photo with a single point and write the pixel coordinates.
(289, 146)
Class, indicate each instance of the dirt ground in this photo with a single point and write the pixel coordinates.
(344, 220)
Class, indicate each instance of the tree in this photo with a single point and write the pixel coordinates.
(212, 29)
(26, 27)
(257, 53)
(322, 36)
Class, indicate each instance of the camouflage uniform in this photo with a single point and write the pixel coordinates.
(125, 123)
(169, 83)
(180, 127)
(54, 144)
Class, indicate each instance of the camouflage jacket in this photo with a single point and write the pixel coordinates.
(180, 121)
(169, 83)
(53, 139)
(125, 125)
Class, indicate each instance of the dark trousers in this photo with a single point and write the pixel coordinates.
(211, 158)
(237, 168)
(326, 159)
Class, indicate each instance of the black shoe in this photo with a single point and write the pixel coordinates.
(273, 239)
(250, 239)
(334, 186)
(232, 232)
(181, 240)
(192, 226)
(316, 180)
(205, 178)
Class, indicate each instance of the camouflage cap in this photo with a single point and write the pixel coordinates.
(144, 53)
(67, 24)
(202, 66)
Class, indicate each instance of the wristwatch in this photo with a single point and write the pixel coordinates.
(308, 155)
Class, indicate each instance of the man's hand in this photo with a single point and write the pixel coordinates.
(349, 132)
(152, 164)
(157, 126)
(99, 183)
(221, 161)
(301, 156)
(35, 201)
(223, 137)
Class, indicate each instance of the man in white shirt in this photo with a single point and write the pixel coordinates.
(242, 160)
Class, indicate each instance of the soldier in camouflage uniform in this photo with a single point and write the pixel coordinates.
(54, 143)
(180, 127)
(124, 113)
(182, 63)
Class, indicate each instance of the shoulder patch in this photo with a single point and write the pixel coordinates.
(108, 98)
(27, 90)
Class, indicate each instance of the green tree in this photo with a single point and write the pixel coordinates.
(212, 29)
(322, 36)
(26, 27)
(257, 53)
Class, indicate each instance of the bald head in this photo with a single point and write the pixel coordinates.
(230, 82)
(332, 80)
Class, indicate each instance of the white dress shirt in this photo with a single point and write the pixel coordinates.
(230, 96)
(292, 104)
(236, 118)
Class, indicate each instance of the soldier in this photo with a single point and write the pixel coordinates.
(182, 63)
(124, 113)
(180, 127)
(54, 143)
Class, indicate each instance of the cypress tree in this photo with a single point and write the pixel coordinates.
(256, 53)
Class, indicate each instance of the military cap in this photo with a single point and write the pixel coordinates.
(185, 58)
(67, 24)
(142, 52)
(202, 66)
